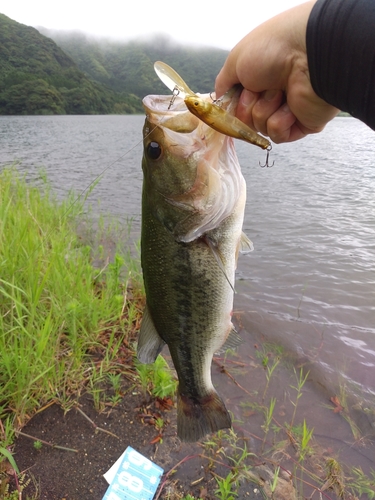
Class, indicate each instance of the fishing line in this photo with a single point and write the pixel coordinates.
(100, 175)
(117, 159)
(108, 167)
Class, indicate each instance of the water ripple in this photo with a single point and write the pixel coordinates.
(311, 218)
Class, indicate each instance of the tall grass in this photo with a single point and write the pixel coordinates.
(53, 303)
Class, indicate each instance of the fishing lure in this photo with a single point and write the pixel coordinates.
(220, 120)
(211, 113)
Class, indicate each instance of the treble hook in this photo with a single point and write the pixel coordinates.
(267, 157)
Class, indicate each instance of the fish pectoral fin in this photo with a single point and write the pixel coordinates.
(232, 342)
(216, 253)
(246, 245)
(150, 343)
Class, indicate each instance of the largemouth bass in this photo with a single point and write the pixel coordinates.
(193, 205)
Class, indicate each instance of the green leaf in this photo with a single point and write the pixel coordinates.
(7, 454)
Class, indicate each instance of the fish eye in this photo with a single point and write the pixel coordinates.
(154, 150)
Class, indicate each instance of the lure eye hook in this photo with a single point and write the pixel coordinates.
(175, 93)
(267, 158)
(218, 102)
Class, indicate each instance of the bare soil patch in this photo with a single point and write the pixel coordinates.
(56, 474)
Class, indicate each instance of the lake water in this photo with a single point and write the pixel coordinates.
(310, 282)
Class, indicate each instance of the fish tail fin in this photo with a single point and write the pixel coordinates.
(198, 417)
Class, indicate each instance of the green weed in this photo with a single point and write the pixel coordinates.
(275, 480)
(22, 483)
(305, 440)
(224, 490)
(157, 378)
(269, 372)
(361, 484)
(7, 454)
(268, 414)
(38, 445)
(301, 380)
(55, 307)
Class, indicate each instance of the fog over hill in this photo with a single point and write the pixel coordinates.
(128, 66)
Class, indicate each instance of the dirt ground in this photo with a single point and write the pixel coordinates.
(97, 435)
(56, 474)
(100, 436)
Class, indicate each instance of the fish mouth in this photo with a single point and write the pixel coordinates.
(183, 132)
(218, 183)
(170, 112)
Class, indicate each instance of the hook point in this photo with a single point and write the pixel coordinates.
(269, 148)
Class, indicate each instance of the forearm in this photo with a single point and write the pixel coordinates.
(340, 42)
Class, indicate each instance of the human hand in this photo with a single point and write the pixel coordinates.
(271, 64)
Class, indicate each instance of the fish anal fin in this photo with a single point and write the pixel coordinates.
(198, 417)
(150, 343)
(232, 342)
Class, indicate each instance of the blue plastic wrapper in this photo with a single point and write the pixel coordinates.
(132, 477)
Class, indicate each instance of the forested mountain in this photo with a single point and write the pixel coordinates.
(37, 77)
(128, 67)
(77, 74)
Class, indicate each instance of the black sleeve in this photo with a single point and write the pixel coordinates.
(340, 42)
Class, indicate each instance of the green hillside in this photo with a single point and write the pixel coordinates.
(72, 73)
(128, 67)
(37, 77)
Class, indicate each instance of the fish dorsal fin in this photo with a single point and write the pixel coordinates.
(232, 342)
(246, 244)
(150, 343)
(216, 253)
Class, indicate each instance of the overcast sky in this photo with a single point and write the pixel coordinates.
(202, 22)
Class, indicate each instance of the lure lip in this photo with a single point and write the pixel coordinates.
(172, 79)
